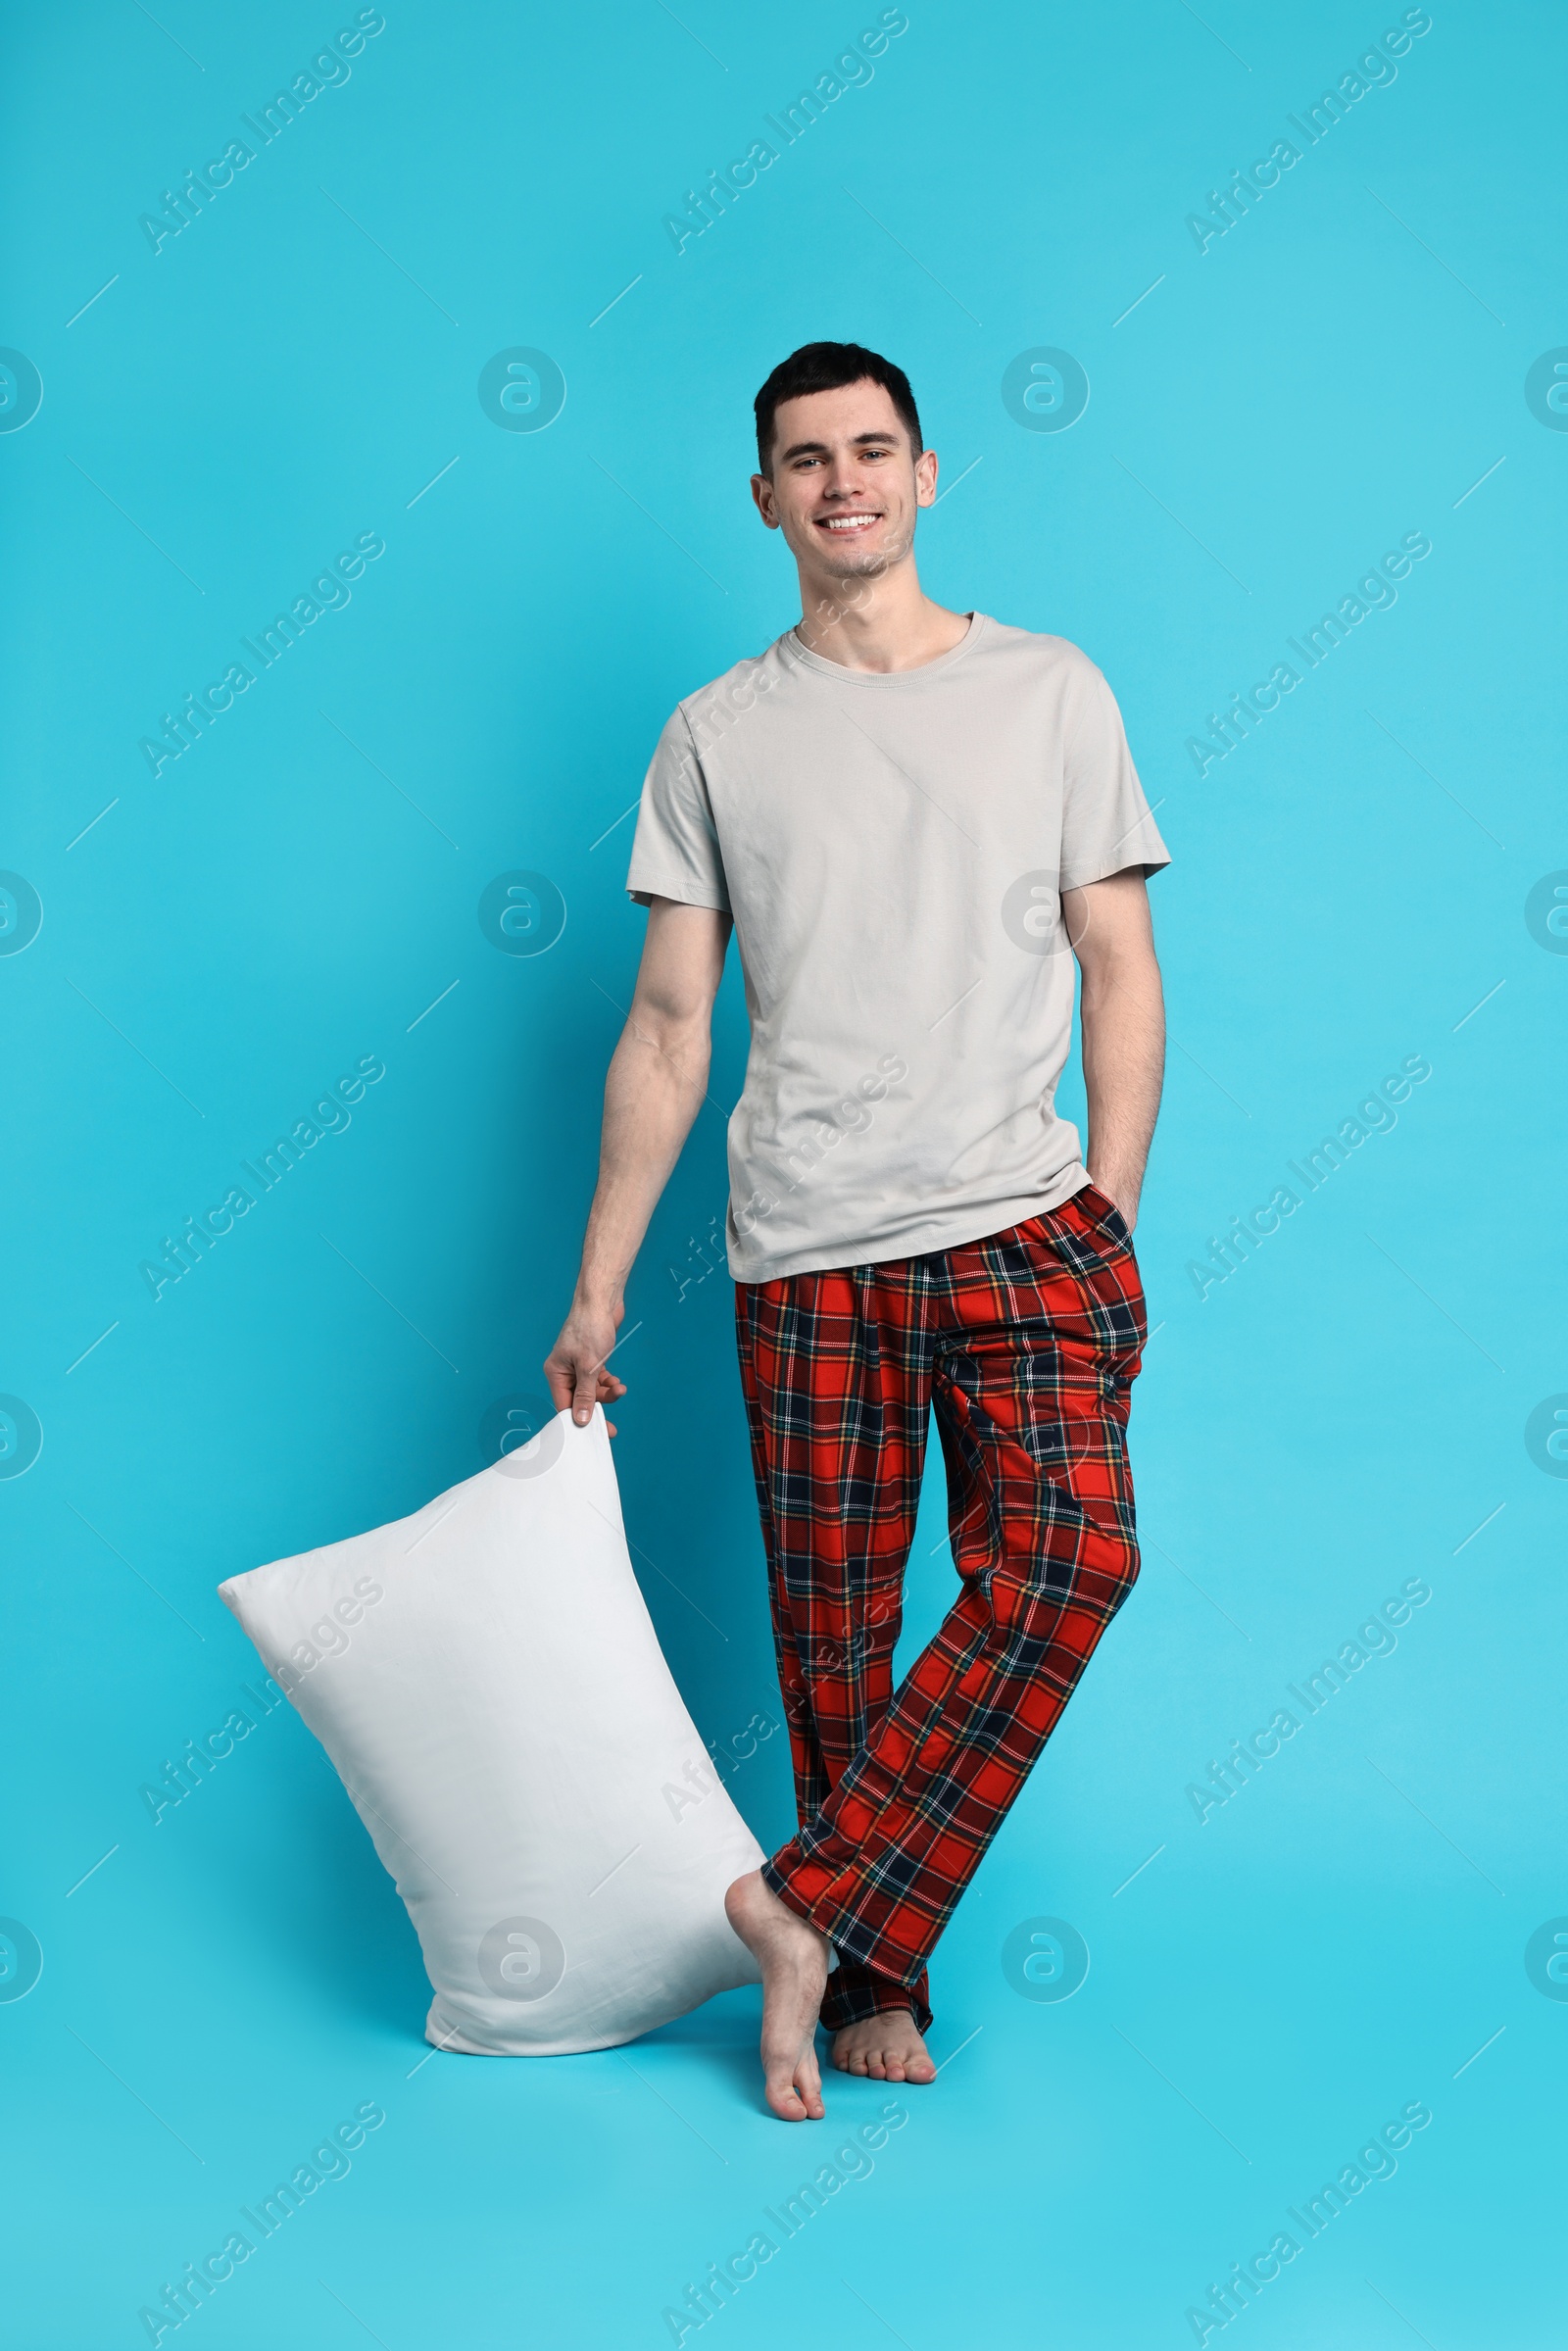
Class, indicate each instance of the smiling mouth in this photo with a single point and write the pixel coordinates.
(847, 527)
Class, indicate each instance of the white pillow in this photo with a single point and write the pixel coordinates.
(486, 1680)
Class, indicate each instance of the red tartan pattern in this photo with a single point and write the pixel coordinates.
(1027, 1343)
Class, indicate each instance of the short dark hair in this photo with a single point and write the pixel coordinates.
(826, 367)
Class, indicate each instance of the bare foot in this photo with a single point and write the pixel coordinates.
(793, 1958)
(886, 2047)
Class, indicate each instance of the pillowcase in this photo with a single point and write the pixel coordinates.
(488, 1685)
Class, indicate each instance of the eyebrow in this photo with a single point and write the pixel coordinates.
(862, 440)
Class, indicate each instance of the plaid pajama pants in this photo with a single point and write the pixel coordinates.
(1026, 1342)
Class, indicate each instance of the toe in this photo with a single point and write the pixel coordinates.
(809, 2094)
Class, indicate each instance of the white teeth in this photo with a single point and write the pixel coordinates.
(852, 521)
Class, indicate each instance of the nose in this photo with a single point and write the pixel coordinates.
(841, 482)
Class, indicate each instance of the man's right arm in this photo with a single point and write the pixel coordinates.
(658, 1079)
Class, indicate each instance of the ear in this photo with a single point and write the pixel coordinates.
(765, 501)
(925, 477)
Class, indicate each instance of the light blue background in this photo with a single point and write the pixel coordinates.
(1340, 368)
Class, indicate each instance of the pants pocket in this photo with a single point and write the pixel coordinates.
(1101, 1209)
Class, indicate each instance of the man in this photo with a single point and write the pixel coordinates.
(914, 819)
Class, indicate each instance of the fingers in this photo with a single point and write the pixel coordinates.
(576, 1374)
(606, 1388)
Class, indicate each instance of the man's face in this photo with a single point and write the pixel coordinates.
(845, 484)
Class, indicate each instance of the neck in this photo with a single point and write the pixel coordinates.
(877, 623)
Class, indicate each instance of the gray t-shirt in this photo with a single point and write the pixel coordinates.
(892, 849)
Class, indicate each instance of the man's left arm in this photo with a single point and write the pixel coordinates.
(1122, 1010)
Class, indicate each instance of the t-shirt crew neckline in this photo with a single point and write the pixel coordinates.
(886, 677)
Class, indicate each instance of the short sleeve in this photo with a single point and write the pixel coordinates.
(675, 852)
(1106, 824)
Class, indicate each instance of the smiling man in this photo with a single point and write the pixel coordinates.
(916, 820)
